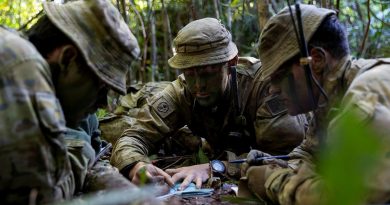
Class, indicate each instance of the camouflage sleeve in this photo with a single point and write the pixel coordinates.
(159, 118)
(308, 147)
(368, 97)
(304, 186)
(277, 133)
(32, 151)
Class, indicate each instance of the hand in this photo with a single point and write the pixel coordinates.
(254, 154)
(257, 176)
(197, 173)
(153, 174)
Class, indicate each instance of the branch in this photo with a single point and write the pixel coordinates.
(367, 28)
(29, 21)
(142, 71)
(377, 18)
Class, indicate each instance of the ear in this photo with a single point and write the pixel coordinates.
(319, 62)
(68, 53)
(233, 62)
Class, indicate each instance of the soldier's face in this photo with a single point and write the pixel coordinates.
(207, 83)
(78, 89)
(290, 82)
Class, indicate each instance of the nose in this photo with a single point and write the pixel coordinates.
(200, 83)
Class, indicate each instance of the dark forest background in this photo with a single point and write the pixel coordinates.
(155, 23)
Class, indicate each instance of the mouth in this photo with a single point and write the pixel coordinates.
(202, 95)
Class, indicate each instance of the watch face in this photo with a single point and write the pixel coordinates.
(218, 166)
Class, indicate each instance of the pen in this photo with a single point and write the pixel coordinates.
(238, 161)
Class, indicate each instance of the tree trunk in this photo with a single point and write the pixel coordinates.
(194, 9)
(216, 10)
(167, 40)
(141, 72)
(262, 10)
(124, 11)
(229, 15)
(118, 5)
(153, 38)
(363, 48)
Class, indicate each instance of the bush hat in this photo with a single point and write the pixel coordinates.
(202, 42)
(98, 30)
(278, 42)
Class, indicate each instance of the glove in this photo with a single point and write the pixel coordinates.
(253, 155)
(251, 160)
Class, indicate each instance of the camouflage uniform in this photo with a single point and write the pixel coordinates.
(36, 166)
(175, 107)
(295, 186)
(91, 173)
(174, 151)
(127, 109)
(32, 127)
(358, 84)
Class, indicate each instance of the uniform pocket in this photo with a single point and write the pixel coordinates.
(50, 112)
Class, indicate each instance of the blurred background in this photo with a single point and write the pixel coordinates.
(155, 23)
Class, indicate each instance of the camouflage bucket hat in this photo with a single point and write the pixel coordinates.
(202, 42)
(98, 30)
(278, 41)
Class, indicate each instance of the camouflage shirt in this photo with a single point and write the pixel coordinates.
(174, 107)
(32, 152)
(361, 85)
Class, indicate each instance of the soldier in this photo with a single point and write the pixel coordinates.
(204, 99)
(342, 84)
(77, 51)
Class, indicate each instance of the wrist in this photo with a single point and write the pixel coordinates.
(135, 169)
(217, 168)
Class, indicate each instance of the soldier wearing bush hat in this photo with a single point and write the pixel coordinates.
(49, 84)
(203, 99)
(333, 81)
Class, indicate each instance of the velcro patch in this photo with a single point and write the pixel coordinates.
(275, 105)
(162, 107)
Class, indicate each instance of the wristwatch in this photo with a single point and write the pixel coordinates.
(218, 168)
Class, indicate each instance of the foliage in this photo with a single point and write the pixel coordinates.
(243, 25)
(16, 13)
(101, 113)
(351, 155)
(201, 157)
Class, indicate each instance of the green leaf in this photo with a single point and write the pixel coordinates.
(350, 156)
(201, 157)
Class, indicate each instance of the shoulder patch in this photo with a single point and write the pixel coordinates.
(162, 106)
